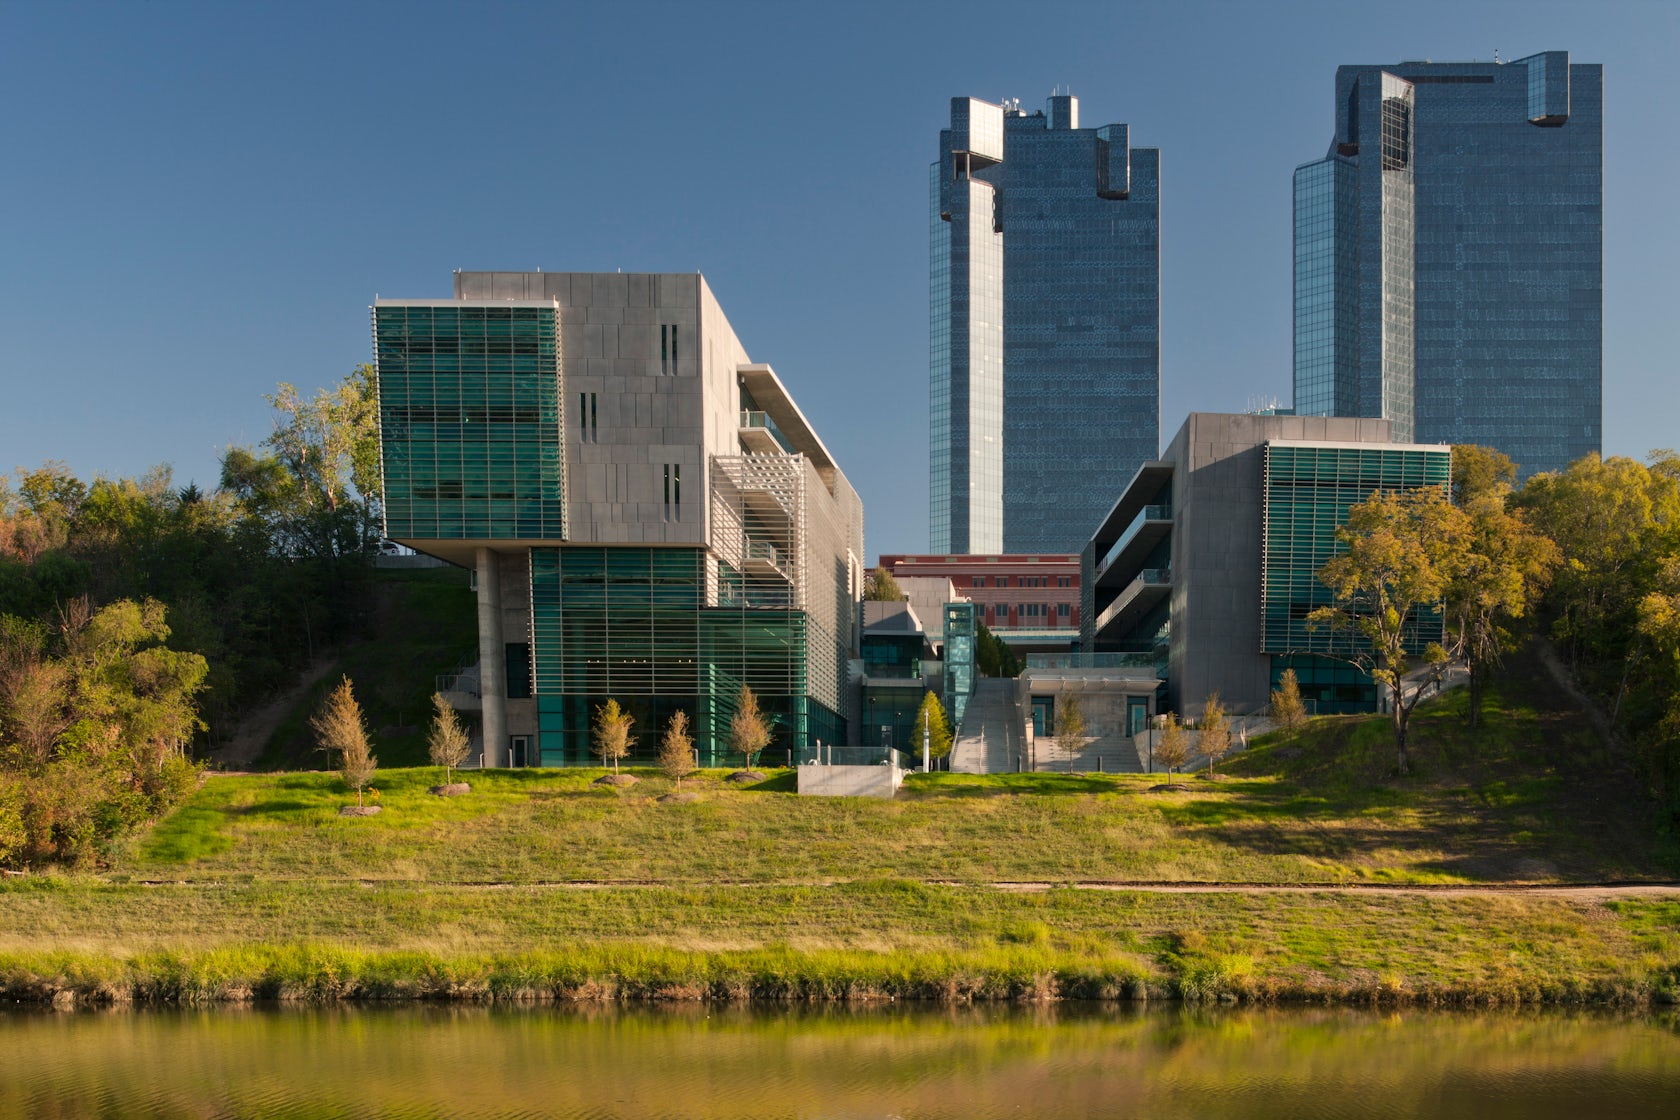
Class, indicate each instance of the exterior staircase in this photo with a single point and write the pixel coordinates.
(989, 739)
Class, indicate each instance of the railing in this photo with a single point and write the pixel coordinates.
(762, 421)
(764, 550)
(1149, 577)
(893, 670)
(463, 678)
(1146, 514)
(1120, 660)
(830, 755)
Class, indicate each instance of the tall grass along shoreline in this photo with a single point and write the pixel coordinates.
(324, 974)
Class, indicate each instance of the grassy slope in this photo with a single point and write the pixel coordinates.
(822, 893)
(425, 621)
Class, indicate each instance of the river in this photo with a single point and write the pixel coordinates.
(694, 1061)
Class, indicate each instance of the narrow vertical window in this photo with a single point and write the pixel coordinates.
(664, 348)
(673, 349)
(588, 432)
(673, 491)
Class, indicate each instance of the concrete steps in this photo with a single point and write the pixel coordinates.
(989, 738)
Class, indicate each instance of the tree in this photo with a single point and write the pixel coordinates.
(676, 749)
(1614, 522)
(339, 727)
(881, 587)
(1602, 515)
(1172, 748)
(1215, 729)
(1070, 727)
(749, 731)
(96, 714)
(1480, 474)
(447, 742)
(1402, 551)
(992, 654)
(612, 732)
(1500, 573)
(1287, 707)
(330, 441)
(931, 719)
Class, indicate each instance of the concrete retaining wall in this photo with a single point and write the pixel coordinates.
(819, 780)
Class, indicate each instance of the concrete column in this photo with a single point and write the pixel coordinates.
(492, 656)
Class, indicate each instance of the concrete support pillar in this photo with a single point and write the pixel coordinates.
(492, 657)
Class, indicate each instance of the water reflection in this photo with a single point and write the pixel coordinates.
(835, 1062)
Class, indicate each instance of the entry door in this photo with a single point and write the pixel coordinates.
(1137, 714)
(519, 750)
(1043, 715)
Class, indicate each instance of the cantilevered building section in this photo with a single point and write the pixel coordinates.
(1045, 349)
(650, 516)
(1448, 256)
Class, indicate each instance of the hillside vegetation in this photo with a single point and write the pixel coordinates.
(540, 885)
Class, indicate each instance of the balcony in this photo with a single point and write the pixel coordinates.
(762, 558)
(760, 436)
(1135, 600)
(1148, 529)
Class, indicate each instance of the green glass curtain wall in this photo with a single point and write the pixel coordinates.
(633, 624)
(1308, 492)
(470, 422)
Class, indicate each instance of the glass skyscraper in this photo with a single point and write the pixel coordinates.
(1045, 350)
(1448, 256)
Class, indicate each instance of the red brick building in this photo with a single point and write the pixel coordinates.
(1032, 602)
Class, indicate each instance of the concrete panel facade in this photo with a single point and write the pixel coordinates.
(651, 388)
(1218, 481)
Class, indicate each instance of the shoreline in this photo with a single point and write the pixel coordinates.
(329, 975)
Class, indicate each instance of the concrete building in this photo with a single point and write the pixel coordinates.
(1031, 602)
(901, 665)
(928, 596)
(651, 517)
(1045, 294)
(1449, 256)
(1207, 561)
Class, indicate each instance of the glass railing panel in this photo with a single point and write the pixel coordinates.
(1146, 514)
(762, 421)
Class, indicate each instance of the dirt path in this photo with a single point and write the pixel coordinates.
(1565, 680)
(1581, 892)
(246, 744)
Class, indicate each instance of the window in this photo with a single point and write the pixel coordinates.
(518, 655)
(673, 491)
(588, 415)
(1065, 610)
(979, 581)
(1063, 581)
(668, 349)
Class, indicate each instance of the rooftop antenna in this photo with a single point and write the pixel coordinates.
(1496, 56)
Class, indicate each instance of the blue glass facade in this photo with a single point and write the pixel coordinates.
(1062, 223)
(1505, 162)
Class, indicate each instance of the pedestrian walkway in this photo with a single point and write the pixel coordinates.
(989, 739)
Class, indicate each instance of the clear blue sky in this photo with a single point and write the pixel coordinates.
(201, 200)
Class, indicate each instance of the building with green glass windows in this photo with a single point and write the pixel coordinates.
(1208, 561)
(649, 515)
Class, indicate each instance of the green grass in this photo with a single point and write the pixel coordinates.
(539, 882)
(877, 938)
